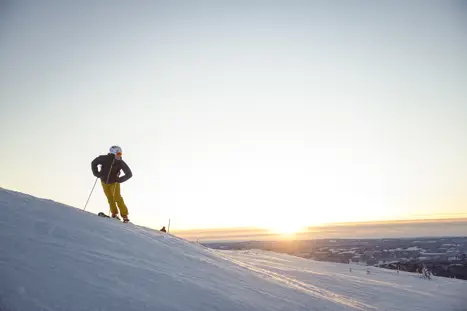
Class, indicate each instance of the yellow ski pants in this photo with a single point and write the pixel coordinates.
(112, 192)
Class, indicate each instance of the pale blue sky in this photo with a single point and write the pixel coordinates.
(239, 113)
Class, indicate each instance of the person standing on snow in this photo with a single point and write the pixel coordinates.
(111, 165)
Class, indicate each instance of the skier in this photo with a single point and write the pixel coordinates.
(111, 165)
(163, 229)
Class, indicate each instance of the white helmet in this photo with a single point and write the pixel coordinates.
(115, 150)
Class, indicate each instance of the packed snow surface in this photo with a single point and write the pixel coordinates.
(55, 257)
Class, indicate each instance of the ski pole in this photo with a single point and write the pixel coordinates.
(90, 194)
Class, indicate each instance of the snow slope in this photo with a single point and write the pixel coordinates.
(55, 257)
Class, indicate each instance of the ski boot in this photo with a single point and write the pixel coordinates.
(115, 215)
(125, 219)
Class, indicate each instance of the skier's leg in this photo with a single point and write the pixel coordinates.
(121, 204)
(109, 193)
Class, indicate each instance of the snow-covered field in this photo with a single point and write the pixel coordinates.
(55, 257)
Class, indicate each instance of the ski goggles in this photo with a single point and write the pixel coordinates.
(119, 154)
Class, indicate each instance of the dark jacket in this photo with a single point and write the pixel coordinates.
(110, 169)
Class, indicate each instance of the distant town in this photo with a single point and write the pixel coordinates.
(446, 257)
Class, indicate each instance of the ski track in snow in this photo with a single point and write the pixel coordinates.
(54, 257)
(308, 288)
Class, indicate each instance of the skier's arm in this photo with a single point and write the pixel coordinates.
(127, 171)
(94, 164)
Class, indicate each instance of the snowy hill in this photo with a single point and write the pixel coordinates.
(55, 257)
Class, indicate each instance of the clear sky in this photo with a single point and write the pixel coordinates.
(239, 113)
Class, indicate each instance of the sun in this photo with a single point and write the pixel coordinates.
(288, 229)
(287, 225)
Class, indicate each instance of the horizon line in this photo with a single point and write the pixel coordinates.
(462, 217)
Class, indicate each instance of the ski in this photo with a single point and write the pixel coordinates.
(101, 214)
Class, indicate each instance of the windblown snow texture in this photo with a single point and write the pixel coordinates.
(55, 257)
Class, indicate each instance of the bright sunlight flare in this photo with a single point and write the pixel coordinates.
(288, 229)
